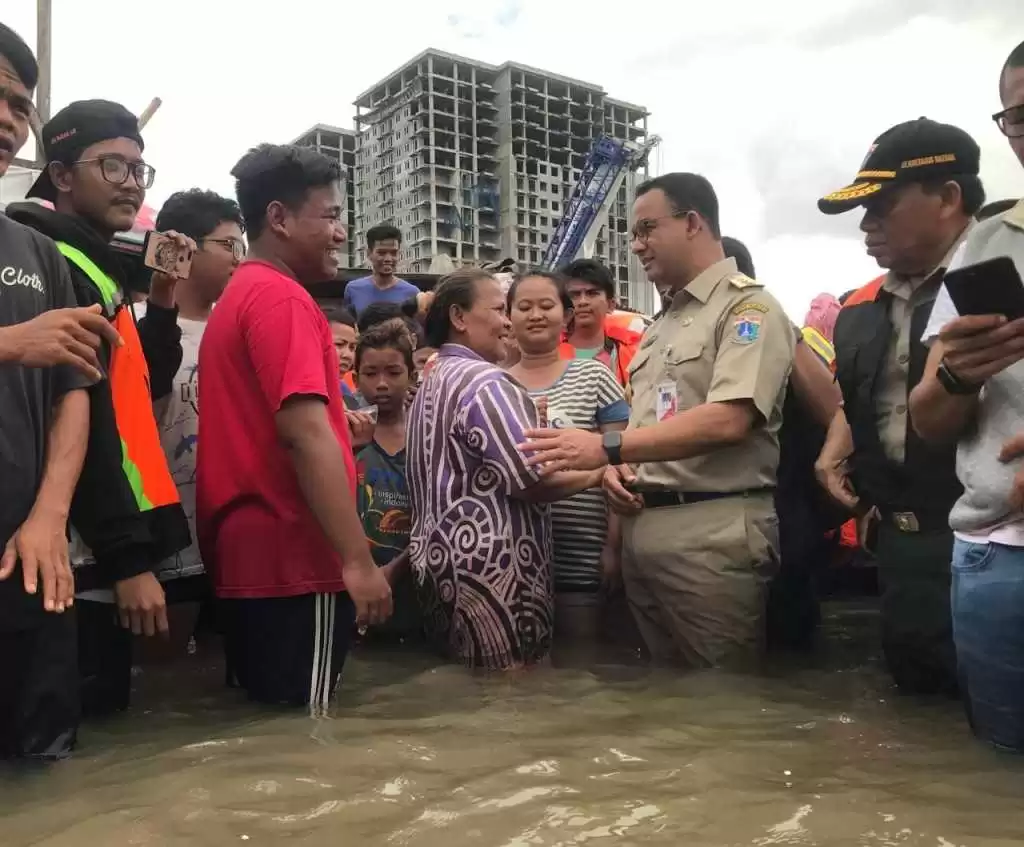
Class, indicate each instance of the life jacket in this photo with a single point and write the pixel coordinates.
(820, 345)
(624, 341)
(142, 456)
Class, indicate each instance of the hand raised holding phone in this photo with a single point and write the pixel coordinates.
(169, 255)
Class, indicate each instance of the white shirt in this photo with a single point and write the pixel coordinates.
(943, 311)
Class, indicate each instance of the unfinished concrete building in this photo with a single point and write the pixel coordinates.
(340, 144)
(477, 162)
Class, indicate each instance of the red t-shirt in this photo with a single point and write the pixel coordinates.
(265, 341)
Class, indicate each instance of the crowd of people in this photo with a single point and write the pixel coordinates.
(497, 465)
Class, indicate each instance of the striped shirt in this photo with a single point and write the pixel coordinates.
(586, 396)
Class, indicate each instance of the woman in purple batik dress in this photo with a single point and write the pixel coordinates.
(481, 530)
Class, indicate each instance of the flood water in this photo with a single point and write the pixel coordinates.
(820, 753)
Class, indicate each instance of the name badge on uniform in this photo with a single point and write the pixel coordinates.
(668, 401)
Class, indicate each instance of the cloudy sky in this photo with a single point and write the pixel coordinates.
(776, 103)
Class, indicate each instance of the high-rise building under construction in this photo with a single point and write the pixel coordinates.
(477, 162)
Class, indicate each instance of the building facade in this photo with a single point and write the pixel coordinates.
(477, 162)
(340, 144)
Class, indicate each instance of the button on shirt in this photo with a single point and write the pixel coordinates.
(724, 338)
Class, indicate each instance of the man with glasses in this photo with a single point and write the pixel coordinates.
(126, 515)
(214, 224)
(970, 396)
(700, 533)
(918, 190)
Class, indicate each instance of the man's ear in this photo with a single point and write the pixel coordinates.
(277, 218)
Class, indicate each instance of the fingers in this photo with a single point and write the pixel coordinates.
(65, 579)
(9, 558)
(92, 319)
(539, 435)
(964, 327)
(47, 569)
(1012, 449)
(160, 619)
(126, 619)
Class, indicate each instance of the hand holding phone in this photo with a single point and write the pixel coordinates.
(992, 287)
(169, 253)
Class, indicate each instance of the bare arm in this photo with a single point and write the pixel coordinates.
(562, 484)
(65, 453)
(695, 432)
(936, 415)
(831, 468)
(814, 385)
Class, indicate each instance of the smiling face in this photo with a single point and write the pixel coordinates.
(537, 315)
(384, 257)
(313, 232)
(483, 327)
(15, 110)
(85, 190)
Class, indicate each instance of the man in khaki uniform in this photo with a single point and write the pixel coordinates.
(700, 536)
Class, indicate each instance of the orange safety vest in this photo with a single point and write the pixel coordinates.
(142, 456)
(626, 341)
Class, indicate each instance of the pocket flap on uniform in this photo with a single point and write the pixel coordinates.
(639, 360)
(686, 352)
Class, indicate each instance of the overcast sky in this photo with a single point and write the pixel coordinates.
(776, 103)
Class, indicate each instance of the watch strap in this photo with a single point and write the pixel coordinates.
(954, 384)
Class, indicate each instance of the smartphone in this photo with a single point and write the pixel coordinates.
(163, 254)
(992, 287)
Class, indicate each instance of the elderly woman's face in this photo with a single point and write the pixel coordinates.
(485, 326)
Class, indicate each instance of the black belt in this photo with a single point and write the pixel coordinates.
(656, 498)
(920, 520)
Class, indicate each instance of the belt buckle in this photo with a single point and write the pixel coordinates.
(906, 522)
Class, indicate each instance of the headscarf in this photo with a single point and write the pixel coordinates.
(822, 315)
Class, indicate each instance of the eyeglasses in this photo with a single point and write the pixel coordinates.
(1011, 121)
(115, 170)
(236, 247)
(643, 228)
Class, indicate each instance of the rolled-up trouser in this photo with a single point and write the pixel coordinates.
(917, 632)
(988, 627)
(696, 577)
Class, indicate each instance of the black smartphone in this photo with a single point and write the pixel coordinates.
(992, 287)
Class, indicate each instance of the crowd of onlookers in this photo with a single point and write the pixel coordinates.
(499, 464)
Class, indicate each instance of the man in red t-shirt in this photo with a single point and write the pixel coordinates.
(275, 488)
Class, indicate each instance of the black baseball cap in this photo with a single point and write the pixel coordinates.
(915, 151)
(74, 128)
(14, 49)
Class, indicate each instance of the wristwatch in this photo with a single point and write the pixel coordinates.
(953, 384)
(612, 443)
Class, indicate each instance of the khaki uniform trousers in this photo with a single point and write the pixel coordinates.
(696, 578)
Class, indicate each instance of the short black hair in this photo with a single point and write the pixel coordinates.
(382, 232)
(1013, 61)
(386, 336)
(558, 280)
(996, 207)
(14, 49)
(282, 173)
(972, 191)
(196, 213)
(687, 192)
(336, 314)
(736, 249)
(380, 313)
(455, 289)
(592, 272)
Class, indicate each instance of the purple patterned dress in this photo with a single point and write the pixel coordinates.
(482, 558)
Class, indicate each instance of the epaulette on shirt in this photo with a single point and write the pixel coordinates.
(743, 281)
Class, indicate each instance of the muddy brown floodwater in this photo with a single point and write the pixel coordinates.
(817, 753)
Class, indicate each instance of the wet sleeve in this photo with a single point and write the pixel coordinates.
(755, 354)
(285, 345)
(495, 420)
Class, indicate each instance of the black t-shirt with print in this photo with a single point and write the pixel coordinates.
(34, 279)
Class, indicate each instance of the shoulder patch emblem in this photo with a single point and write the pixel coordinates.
(746, 327)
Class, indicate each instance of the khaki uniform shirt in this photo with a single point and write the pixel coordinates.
(724, 338)
(891, 414)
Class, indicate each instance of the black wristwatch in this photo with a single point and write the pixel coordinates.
(612, 443)
(953, 384)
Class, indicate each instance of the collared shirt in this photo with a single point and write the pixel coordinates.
(891, 401)
(723, 339)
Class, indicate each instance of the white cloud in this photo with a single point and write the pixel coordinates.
(775, 102)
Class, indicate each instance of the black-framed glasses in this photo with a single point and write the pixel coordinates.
(1011, 121)
(643, 228)
(236, 247)
(116, 169)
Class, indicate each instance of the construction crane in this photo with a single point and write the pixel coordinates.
(607, 164)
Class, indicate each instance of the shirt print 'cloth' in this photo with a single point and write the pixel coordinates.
(482, 557)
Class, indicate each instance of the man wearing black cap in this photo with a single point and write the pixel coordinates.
(126, 514)
(919, 188)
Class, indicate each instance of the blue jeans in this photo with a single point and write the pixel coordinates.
(988, 628)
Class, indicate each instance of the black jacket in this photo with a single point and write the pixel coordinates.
(124, 540)
(925, 483)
